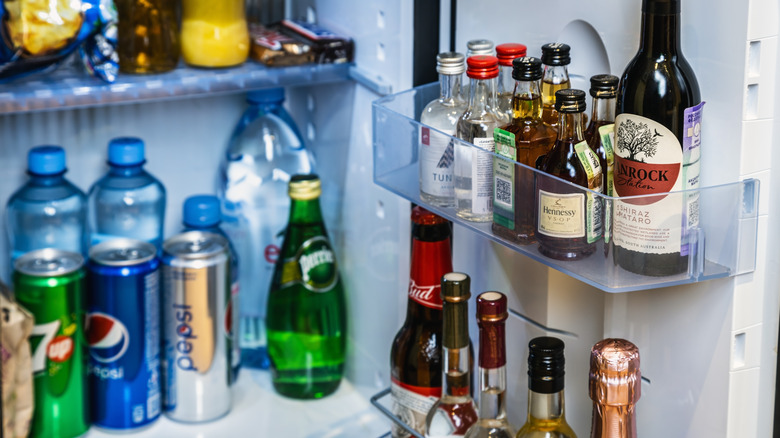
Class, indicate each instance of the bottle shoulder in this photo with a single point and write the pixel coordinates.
(137, 181)
(62, 192)
(656, 80)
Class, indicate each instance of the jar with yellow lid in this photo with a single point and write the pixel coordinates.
(214, 33)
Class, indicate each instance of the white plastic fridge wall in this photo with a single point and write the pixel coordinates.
(708, 350)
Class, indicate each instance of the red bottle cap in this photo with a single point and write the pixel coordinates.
(421, 216)
(509, 51)
(491, 307)
(482, 67)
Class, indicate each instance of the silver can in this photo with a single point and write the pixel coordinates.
(197, 320)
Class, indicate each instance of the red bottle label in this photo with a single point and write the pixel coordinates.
(430, 261)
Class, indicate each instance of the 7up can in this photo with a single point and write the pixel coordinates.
(50, 284)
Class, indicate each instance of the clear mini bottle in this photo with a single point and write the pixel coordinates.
(264, 152)
(546, 416)
(491, 317)
(556, 58)
(202, 213)
(127, 201)
(474, 165)
(48, 211)
(506, 53)
(437, 150)
(455, 412)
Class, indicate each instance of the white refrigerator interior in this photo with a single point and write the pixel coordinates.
(708, 349)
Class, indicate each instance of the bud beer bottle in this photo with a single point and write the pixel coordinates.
(415, 368)
(306, 320)
(657, 148)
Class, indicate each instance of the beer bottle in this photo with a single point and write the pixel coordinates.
(415, 358)
(306, 320)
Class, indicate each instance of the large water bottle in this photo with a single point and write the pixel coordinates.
(48, 211)
(127, 201)
(202, 213)
(265, 150)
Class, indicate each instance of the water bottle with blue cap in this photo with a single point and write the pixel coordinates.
(128, 201)
(48, 211)
(264, 151)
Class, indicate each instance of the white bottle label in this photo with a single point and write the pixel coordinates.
(437, 153)
(648, 160)
(482, 176)
(411, 404)
(562, 215)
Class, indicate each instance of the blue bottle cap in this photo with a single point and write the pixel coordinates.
(126, 151)
(46, 160)
(269, 95)
(201, 211)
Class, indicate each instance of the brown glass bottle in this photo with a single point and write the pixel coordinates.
(415, 358)
(533, 138)
(148, 35)
(615, 386)
(568, 220)
(556, 58)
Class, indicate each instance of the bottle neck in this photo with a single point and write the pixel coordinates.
(570, 127)
(603, 109)
(47, 180)
(506, 83)
(305, 212)
(660, 31)
(492, 392)
(125, 170)
(457, 379)
(431, 258)
(545, 407)
(556, 74)
(482, 94)
(527, 101)
(613, 421)
(449, 86)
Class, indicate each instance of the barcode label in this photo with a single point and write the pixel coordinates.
(503, 191)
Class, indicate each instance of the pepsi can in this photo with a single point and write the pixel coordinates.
(123, 333)
(198, 325)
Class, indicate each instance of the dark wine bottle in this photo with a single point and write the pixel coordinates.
(657, 136)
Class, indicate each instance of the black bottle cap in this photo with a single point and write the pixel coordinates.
(570, 100)
(545, 365)
(526, 68)
(556, 54)
(661, 7)
(604, 86)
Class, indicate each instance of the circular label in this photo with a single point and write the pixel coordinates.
(319, 271)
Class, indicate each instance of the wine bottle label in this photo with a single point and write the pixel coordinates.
(437, 152)
(691, 168)
(503, 179)
(411, 404)
(648, 160)
(482, 176)
(313, 266)
(590, 162)
(562, 215)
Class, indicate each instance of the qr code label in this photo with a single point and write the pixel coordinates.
(503, 191)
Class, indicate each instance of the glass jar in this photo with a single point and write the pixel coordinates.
(148, 35)
(214, 33)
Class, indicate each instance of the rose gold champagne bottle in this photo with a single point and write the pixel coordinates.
(615, 387)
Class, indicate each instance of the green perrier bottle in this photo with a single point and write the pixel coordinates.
(306, 320)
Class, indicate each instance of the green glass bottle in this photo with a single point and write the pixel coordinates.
(306, 320)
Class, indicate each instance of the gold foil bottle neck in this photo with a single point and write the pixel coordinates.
(305, 187)
(615, 378)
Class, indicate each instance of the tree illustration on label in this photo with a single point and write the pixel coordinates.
(635, 172)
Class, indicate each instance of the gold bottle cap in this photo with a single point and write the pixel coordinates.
(615, 379)
(305, 187)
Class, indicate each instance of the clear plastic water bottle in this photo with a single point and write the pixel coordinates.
(264, 151)
(202, 213)
(127, 201)
(48, 211)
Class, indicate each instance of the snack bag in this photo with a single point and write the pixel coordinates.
(17, 381)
